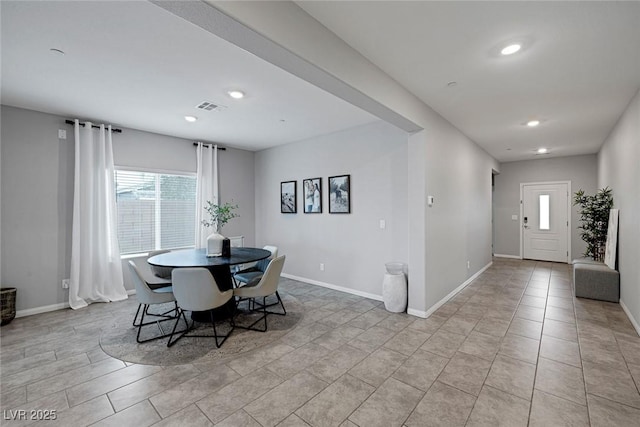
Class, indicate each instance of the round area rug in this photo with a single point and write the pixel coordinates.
(119, 338)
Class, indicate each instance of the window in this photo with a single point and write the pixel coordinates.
(544, 211)
(155, 211)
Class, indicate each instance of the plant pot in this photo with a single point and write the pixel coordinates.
(7, 305)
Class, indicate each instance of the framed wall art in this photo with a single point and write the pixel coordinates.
(312, 195)
(288, 197)
(340, 194)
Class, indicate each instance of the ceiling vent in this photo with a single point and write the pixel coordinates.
(206, 106)
(210, 106)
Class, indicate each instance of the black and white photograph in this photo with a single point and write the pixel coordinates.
(340, 194)
(288, 201)
(312, 193)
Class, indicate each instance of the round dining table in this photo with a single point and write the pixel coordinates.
(219, 266)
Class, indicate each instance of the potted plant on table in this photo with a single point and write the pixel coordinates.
(219, 214)
(594, 214)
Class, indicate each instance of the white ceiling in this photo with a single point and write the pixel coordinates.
(136, 65)
(577, 72)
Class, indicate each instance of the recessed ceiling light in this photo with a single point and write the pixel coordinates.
(236, 94)
(190, 119)
(57, 51)
(542, 150)
(511, 49)
(452, 84)
(533, 123)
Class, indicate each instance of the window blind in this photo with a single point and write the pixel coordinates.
(155, 211)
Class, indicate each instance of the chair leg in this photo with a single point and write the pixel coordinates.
(139, 325)
(264, 312)
(174, 309)
(279, 301)
(182, 333)
(145, 311)
(215, 332)
(215, 336)
(282, 304)
(142, 323)
(136, 316)
(263, 317)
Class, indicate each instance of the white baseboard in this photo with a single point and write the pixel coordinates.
(632, 319)
(507, 256)
(411, 311)
(433, 308)
(52, 307)
(334, 287)
(43, 309)
(417, 313)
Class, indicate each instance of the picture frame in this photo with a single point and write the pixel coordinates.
(288, 197)
(340, 194)
(312, 195)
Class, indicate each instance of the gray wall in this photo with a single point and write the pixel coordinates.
(618, 168)
(37, 204)
(458, 226)
(317, 55)
(37, 196)
(580, 170)
(352, 246)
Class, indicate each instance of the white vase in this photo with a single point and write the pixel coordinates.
(214, 244)
(394, 287)
(394, 292)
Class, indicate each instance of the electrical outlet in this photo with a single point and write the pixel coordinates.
(321, 266)
(65, 283)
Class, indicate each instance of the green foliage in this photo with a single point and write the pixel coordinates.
(594, 215)
(220, 214)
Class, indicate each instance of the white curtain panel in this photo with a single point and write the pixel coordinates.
(206, 188)
(96, 268)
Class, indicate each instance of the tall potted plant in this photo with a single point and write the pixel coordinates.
(594, 215)
(219, 216)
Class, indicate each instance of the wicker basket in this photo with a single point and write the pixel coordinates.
(7, 305)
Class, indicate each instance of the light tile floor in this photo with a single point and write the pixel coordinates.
(513, 348)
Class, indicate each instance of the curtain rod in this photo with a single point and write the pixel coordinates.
(71, 122)
(219, 148)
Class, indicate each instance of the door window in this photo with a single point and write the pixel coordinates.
(543, 201)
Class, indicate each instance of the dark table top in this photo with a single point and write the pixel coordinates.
(198, 258)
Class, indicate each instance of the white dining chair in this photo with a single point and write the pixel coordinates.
(148, 297)
(256, 271)
(263, 287)
(195, 289)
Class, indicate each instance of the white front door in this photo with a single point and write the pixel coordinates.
(545, 226)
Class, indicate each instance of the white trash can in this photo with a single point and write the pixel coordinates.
(394, 287)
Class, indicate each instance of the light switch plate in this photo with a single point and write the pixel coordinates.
(514, 217)
(62, 134)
